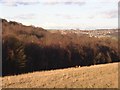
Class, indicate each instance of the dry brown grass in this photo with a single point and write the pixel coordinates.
(98, 76)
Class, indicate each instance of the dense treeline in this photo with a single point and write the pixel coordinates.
(29, 48)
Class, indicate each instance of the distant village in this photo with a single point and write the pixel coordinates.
(91, 33)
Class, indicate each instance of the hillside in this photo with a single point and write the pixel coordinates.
(29, 48)
(97, 76)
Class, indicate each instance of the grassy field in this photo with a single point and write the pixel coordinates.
(97, 76)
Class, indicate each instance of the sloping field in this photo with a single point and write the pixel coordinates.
(98, 76)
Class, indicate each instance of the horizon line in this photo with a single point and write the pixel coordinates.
(56, 28)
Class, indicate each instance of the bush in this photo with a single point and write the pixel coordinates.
(14, 59)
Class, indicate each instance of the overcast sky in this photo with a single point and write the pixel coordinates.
(62, 14)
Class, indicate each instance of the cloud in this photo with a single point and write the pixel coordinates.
(112, 14)
(65, 2)
(108, 15)
(44, 2)
(24, 16)
(18, 2)
(67, 16)
(91, 17)
(54, 25)
(112, 1)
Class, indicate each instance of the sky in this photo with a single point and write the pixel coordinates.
(62, 14)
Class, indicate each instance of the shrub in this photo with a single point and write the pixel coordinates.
(14, 59)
